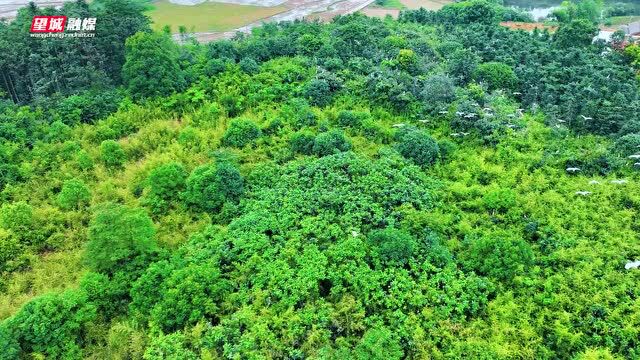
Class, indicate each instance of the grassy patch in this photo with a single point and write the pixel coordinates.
(622, 20)
(388, 4)
(208, 16)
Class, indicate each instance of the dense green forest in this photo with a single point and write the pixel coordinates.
(435, 186)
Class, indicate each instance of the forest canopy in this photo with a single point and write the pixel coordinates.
(436, 186)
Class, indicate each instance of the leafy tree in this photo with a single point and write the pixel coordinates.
(302, 142)
(241, 132)
(190, 295)
(500, 200)
(209, 186)
(117, 234)
(576, 33)
(318, 92)
(17, 217)
(498, 257)
(379, 343)
(331, 142)
(166, 183)
(392, 245)
(496, 75)
(53, 324)
(74, 194)
(169, 347)
(112, 154)
(151, 68)
(462, 64)
(418, 146)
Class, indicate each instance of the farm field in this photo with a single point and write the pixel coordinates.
(208, 16)
(393, 7)
(621, 20)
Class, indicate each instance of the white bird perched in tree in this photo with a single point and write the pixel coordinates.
(464, 133)
(517, 93)
(594, 182)
(424, 121)
(586, 118)
(444, 112)
(458, 134)
(573, 169)
(511, 126)
(561, 121)
(619, 182)
(632, 265)
(398, 125)
(583, 193)
(354, 233)
(635, 156)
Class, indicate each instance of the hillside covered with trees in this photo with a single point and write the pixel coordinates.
(432, 187)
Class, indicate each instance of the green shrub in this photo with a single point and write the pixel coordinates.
(496, 75)
(331, 142)
(112, 154)
(392, 245)
(418, 146)
(500, 200)
(498, 257)
(74, 194)
(190, 295)
(379, 344)
(169, 347)
(241, 132)
(117, 234)
(302, 143)
(165, 182)
(352, 119)
(209, 186)
(54, 324)
(628, 145)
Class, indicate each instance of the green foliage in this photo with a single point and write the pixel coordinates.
(496, 75)
(498, 257)
(166, 182)
(302, 142)
(209, 186)
(331, 142)
(393, 246)
(151, 68)
(352, 119)
(241, 132)
(53, 325)
(74, 194)
(418, 146)
(117, 234)
(500, 200)
(169, 347)
(576, 33)
(188, 296)
(112, 154)
(379, 344)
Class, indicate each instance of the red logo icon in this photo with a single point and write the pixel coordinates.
(45, 24)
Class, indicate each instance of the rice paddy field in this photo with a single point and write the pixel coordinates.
(208, 16)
